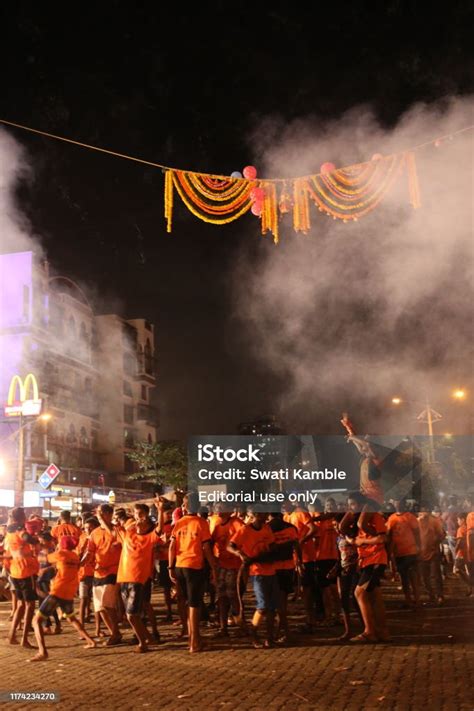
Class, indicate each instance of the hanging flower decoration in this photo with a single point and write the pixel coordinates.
(341, 193)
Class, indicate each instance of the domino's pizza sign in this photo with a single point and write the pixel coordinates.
(48, 476)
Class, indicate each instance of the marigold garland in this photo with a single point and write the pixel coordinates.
(344, 194)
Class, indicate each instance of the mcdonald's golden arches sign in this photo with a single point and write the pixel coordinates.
(28, 402)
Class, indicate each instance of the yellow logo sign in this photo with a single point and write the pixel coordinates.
(23, 386)
(28, 402)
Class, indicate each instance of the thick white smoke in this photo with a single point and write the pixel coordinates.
(361, 311)
(15, 230)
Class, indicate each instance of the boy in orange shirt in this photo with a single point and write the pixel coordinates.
(460, 552)
(65, 527)
(403, 536)
(249, 542)
(135, 570)
(373, 559)
(24, 566)
(432, 534)
(86, 575)
(190, 546)
(289, 551)
(326, 560)
(306, 527)
(222, 530)
(63, 588)
(103, 550)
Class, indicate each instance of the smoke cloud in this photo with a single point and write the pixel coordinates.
(362, 311)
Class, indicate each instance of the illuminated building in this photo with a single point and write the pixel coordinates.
(95, 375)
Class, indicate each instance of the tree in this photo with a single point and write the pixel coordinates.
(162, 463)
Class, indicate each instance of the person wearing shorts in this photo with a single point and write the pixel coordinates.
(372, 555)
(63, 588)
(24, 567)
(86, 574)
(403, 537)
(223, 528)
(288, 557)
(254, 540)
(103, 550)
(135, 571)
(190, 546)
(165, 527)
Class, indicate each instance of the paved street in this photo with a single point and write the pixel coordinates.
(430, 663)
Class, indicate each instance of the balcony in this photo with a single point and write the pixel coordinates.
(148, 414)
(72, 457)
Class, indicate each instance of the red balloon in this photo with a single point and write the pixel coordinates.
(256, 209)
(377, 156)
(250, 172)
(257, 194)
(327, 168)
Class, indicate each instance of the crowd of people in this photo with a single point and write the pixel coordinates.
(208, 562)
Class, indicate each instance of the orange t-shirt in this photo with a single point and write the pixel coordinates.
(23, 558)
(461, 534)
(190, 533)
(106, 548)
(221, 536)
(431, 535)
(402, 529)
(65, 529)
(327, 548)
(136, 559)
(65, 582)
(300, 520)
(161, 550)
(285, 535)
(470, 536)
(251, 542)
(375, 553)
(87, 570)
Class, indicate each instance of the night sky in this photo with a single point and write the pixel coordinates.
(187, 89)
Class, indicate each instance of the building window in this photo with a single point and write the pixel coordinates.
(94, 439)
(127, 389)
(71, 437)
(83, 438)
(87, 385)
(128, 414)
(128, 465)
(128, 439)
(150, 438)
(148, 358)
(144, 392)
(129, 364)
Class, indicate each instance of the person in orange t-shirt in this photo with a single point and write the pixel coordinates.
(307, 529)
(165, 528)
(403, 536)
(470, 546)
(251, 542)
(135, 570)
(370, 542)
(288, 551)
(20, 548)
(86, 575)
(228, 566)
(460, 552)
(63, 588)
(190, 546)
(326, 560)
(65, 527)
(104, 549)
(432, 534)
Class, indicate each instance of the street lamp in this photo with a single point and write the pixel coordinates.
(430, 416)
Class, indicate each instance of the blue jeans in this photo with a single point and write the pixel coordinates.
(266, 592)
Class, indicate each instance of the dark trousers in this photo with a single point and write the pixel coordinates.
(431, 573)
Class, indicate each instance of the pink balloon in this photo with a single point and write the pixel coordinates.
(250, 172)
(327, 168)
(257, 194)
(256, 209)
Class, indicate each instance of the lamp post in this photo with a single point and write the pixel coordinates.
(430, 416)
